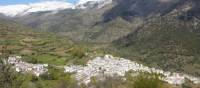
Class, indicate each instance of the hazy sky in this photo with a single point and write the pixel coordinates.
(11, 2)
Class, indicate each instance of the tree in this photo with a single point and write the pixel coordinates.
(8, 77)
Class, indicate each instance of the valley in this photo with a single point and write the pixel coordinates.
(66, 45)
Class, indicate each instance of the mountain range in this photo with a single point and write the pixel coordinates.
(160, 33)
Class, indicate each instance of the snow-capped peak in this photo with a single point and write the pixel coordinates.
(85, 1)
(82, 4)
(22, 9)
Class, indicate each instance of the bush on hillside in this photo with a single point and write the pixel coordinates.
(145, 80)
(78, 52)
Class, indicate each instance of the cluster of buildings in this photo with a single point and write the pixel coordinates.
(109, 65)
(24, 67)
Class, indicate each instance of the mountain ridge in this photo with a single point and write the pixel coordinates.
(24, 9)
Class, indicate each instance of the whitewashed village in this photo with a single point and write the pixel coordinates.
(107, 65)
(20, 66)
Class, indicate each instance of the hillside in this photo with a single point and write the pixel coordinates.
(169, 41)
(41, 47)
(165, 42)
(140, 8)
(87, 23)
(108, 23)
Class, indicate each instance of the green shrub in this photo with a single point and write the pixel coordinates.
(78, 52)
(145, 80)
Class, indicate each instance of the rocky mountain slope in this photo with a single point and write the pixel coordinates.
(108, 23)
(140, 8)
(168, 41)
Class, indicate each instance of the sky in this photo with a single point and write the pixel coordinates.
(12, 2)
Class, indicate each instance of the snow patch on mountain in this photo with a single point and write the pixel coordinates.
(13, 10)
(23, 9)
(83, 4)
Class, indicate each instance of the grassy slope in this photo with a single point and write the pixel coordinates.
(40, 47)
